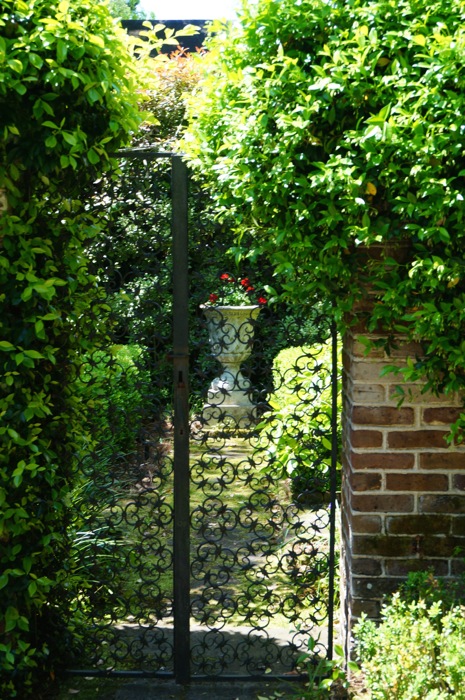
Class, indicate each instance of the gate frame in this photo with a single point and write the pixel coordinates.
(181, 447)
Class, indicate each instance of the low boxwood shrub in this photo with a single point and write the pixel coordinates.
(418, 649)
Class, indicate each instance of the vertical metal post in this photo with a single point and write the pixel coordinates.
(334, 460)
(181, 563)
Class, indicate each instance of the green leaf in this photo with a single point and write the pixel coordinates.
(35, 60)
(96, 40)
(93, 95)
(15, 65)
(93, 156)
(69, 138)
(62, 51)
(11, 618)
(51, 141)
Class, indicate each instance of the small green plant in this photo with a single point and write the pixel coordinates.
(417, 652)
(324, 674)
(424, 585)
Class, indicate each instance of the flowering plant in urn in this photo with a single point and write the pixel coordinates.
(231, 314)
(235, 291)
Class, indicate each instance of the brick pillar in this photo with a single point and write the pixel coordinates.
(403, 493)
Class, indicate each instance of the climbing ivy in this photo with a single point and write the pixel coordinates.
(326, 129)
(68, 100)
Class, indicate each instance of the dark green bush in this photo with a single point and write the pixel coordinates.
(67, 103)
(115, 387)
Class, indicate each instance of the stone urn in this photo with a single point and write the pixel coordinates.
(229, 398)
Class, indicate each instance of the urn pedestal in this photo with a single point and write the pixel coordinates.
(229, 398)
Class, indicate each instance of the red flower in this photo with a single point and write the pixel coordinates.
(226, 277)
(213, 298)
(249, 290)
(245, 282)
(261, 300)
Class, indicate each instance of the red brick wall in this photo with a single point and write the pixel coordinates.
(403, 493)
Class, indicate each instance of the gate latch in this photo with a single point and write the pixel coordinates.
(172, 357)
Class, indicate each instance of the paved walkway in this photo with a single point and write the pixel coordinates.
(167, 690)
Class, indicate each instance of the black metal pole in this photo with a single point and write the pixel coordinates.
(334, 460)
(181, 564)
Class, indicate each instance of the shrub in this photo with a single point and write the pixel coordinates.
(115, 387)
(297, 435)
(418, 649)
(68, 91)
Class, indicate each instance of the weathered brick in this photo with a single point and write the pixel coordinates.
(371, 608)
(382, 415)
(410, 439)
(437, 546)
(366, 524)
(382, 460)
(368, 371)
(383, 546)
(364, 566)
(365, 481)
(369, 393)
(390, 503)
(412, 394)
(403, 350)
(442, 460)
(360, 350)
(346, 360)
(458, 525)
(402, 567)
(417, 482)
(458, 566)
(459, 482)
(443, 503)
(366, 438)
(441, 416)
(418, 524)
(374, 587)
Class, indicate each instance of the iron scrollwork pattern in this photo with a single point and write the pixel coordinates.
(261, 455)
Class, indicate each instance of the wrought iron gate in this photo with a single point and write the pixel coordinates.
(205, 505)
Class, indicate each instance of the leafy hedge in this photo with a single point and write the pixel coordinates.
(68, 94)
(418, 649)
(328, 127)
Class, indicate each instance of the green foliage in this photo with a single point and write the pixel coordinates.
(67, 103)
(172, 78)
(324, 675)
(324, 128)
(424, 585)
(124, 9)
(298, 432)
(110, 385)
(417, 651)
